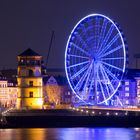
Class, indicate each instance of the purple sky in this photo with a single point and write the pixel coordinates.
(28, 23)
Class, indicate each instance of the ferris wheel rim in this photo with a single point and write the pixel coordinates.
(68, 41)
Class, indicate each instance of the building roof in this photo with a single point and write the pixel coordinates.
(29, 52)
(61, 80)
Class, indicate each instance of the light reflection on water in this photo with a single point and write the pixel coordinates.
(70, 134)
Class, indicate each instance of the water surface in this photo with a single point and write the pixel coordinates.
(70, 134)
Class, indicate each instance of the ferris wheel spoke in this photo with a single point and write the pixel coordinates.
(110, 58)
(80, 82)
(81, 40)
(78, 64)
(109, 82)
(105, 78)
(110, 73)
(106, 38)
(80, 49)
(84, 31)
(91, 83)
(102, 33)
(101, 87)
(79, 72)
(111, 66)
(97, 23)
(109, 44)
(78, 56)
(111, 51)
(87, 80)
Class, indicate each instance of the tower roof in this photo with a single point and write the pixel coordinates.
(29, 52)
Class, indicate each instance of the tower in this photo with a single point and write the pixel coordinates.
(30, 83)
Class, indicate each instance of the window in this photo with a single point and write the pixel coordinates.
(31, 94)
(127, 83)
(68, 93)
(138, 92)
(127, 94)
(138, 82)
(127, 102)
(126, 88)
(30, 72)
(31, 83)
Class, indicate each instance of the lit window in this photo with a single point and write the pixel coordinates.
(126, 88)
(138, 91)
(127, 83)
(127, 102)
(138, 95)
(138, 82)
(127, 94)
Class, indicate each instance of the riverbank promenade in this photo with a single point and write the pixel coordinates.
(72, 117)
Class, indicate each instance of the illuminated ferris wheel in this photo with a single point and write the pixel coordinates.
(95, 59)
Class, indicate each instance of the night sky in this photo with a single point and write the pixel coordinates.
(29, 23)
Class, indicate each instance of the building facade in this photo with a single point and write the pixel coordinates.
(57, 91)
(129, 91)
(8, 93)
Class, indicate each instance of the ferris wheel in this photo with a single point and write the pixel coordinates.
(95, 59)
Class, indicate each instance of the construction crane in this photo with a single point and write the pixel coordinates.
(50, 45)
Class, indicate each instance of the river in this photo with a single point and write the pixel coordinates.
(70, 134)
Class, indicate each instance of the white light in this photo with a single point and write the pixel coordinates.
(87, 111)
(116, 113)
(93, 112)
(126, 113)
(40, 102)
(107, 113)
(100, 113)
(77, 109)
(82, 110)
(137, 129)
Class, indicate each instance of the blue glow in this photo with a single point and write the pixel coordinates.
(78, 64)
(96, 53)
(109, 44)
(79, 72)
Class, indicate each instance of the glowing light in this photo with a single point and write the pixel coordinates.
(39, 102)
(77, 109)
(107, 113)
(126, 113)
(100, 113)
(137, 129)
(116, 113)
(93, 112)
(87, 111)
